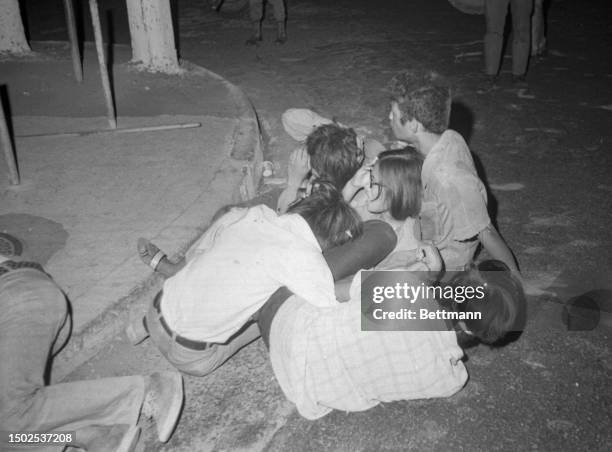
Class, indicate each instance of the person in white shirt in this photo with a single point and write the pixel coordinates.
(204, 313)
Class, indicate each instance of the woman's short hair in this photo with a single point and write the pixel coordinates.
(503, 308)
(332, 220)
(400, 176)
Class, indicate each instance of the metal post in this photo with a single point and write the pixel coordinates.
(74, 41)
(7, 145)
(110, 106)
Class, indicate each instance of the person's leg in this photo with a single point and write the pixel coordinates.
(538, 29)
(521, 31)
(280, 15)
(256, 16)
(268, 311)
(33, 310)
(495, 17)
(196, 362)
(280, 12)
(79, 404)
(375, 243)
(299, 122)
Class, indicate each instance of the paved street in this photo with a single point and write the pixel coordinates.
(544, 153)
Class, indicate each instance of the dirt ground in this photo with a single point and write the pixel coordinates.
(544, 153)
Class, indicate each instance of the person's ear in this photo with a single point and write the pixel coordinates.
(417, 127)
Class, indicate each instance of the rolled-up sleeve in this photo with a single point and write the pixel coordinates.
(307, 275)
(466, 199)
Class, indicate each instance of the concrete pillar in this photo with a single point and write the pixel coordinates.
(12, 35)
(152, 35)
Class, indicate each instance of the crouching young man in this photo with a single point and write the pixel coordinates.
(454, 214)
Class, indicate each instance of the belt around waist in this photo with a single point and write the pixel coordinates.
(185, 342)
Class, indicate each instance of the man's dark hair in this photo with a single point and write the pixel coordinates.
(503, 308)
(331, 219)
(423, 95)
(334, 154)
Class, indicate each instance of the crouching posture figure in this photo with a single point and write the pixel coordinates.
(323, 360)
(102, 414)
(205, 312)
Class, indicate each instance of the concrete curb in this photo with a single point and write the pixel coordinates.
(248, 148)
(245, 159)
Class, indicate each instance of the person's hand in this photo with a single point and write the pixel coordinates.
(372, 148)
(361, 179)
(299, 166)
(429, 256)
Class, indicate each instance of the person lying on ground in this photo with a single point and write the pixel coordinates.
(96, 415)
(454, 197)
(323, 360)
(203, 314)
(300, 122)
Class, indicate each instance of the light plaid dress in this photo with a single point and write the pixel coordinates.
(323, 361)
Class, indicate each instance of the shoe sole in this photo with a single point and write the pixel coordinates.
(136, 337)
(174, 410)
(10, 246)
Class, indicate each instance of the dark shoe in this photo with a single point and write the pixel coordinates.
(136, 331)
(116, 438)
(519, 81)
(490, 83)
(163, 402)
(129, 441)
(9, 245)
(281, 34)
(257, 36)
(253, 40)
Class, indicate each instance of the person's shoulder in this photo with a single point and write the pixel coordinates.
(262, 212)
(453, 142)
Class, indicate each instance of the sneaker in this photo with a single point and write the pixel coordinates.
(100, 438)
(519, 81)
(130, 439)
(10, 246)
(136, 331)
(163, 402)
(491, 82)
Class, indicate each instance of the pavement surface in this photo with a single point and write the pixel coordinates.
(88, 192)
(543, 152)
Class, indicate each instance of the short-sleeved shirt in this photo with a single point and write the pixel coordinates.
(234, 268)
(323, 361)
(454, 208)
